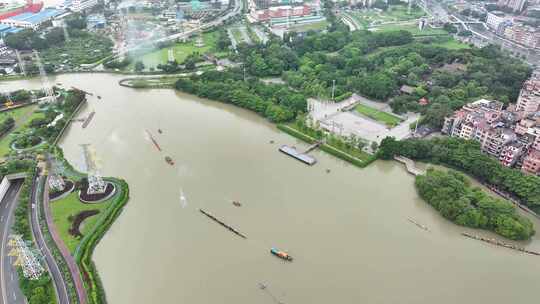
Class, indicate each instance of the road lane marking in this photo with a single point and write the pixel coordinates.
(4, 241)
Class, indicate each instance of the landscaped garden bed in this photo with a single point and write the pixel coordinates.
(78, 219)
(26, 142)
(68, 187)
(96, 197)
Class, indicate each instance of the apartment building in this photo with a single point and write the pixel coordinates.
(531, 163)
(508, 135)
(495, 18)
(465, 122)
(511, 153)
(525, 35)
(494, 138)
(536, 144)
(529, 97)
(516, 5)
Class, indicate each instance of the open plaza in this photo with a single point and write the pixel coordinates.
(358, 116)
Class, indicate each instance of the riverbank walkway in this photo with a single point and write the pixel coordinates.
(409, 164)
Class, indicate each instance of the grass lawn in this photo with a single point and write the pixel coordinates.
(180, 50)
(315, 26)
(360, 19)
(237, 35)
(70, 206)
(162, 82)
(332, 146)
(79, 50)
(394, 13)
(252, 35)
(18, 114)
(22, 117)
(387, 118)
(452, 44)
(412, 28)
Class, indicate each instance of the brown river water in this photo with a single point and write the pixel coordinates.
(347, 229)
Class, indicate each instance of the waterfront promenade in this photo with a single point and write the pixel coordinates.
(409, 164)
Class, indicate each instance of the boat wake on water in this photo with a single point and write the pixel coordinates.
(183, 199)
(418, 224)
(266, 289)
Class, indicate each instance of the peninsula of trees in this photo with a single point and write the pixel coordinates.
(451, 194)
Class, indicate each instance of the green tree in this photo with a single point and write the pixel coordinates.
(139, 66)
(76, 21)
(55, 36)
(450, 28)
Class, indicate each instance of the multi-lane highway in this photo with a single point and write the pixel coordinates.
(9, 289)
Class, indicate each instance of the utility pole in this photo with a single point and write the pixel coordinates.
(333, 88)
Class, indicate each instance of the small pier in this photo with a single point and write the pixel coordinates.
(313, 147)
(223, 224)
(85, 92)
(409, 164)
(306, 159)
(88, 119)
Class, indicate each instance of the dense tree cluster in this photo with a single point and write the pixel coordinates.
(118, 64)
(475, 14)
(353, 67)
(41, 127)
(223, 42)
(276, 102)
(6, 125)
(267, 60)
(190, 63)
(26, 40)
(30, 40)
(455, 78)
(15, 165)
(466, 156)
(451, 194)
(27, 141)
(376, 64)
(76, 21)
(449, 27)
(139, 66)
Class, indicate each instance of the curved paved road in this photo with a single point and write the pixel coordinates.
(72, 265)
(10, 292)
(54, 270)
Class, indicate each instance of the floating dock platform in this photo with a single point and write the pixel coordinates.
(306, 159)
